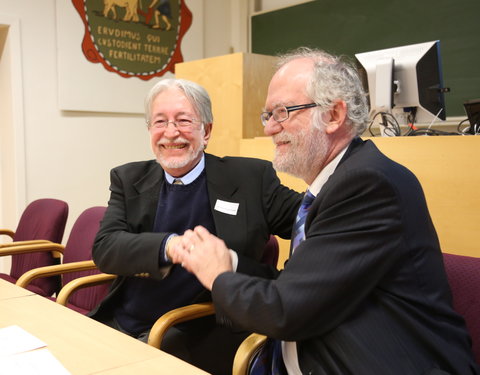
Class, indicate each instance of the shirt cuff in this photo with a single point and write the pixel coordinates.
(234, 257)
(163, 250)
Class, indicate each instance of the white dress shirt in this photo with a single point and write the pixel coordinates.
(289, 348)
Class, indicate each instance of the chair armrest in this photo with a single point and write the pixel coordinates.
(22, 243)
(245, 353)
(57, 269)
(8, 232)
(182, 314)
(82, 282)
(32, 247)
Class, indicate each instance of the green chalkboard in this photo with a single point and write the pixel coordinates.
(352, 26)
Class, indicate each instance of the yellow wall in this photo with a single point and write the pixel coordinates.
(448, 171)
(445, 165)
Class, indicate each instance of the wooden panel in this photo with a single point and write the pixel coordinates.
(222, 78)
(237, 84)
(257, 70)
(448, 171)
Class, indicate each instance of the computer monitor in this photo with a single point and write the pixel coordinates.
(406, 82)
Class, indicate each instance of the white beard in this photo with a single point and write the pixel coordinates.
(308, 148)
(180, 161)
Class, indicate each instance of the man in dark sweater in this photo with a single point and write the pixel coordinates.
(239, 199)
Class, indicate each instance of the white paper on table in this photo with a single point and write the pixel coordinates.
(14, 339)
(21, 353)
(38, 362)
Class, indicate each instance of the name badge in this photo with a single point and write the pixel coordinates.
(229, 208)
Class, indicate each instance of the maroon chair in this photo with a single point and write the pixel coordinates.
(42, 219)
(463, 274)
(270, 253)
(76, 262)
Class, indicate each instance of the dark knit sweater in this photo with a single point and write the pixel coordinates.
(143, 301)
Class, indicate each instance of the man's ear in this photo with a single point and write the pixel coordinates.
(338, 114)
(208, 133)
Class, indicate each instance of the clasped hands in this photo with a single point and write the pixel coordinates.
(201, 253)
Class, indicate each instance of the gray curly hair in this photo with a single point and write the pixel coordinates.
(333, 78)
(195, 93)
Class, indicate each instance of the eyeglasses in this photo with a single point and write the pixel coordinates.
(280, 114)
(183, 124)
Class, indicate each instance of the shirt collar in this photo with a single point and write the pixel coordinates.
(190, 176)
(326, 172)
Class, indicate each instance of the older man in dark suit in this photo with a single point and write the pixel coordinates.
(152, 202)
(364, 291)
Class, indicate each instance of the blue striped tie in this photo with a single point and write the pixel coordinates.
(298, 234)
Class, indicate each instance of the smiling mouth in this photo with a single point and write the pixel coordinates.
(281, 143)
(174, 147)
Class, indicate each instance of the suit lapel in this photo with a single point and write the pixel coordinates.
(231, 227)
(148, 189)
(151, 180)
(230, 223)
(351, 150)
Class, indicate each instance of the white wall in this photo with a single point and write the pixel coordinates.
(64, 154)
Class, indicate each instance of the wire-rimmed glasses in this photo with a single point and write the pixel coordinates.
(183, 124)
(281, 113)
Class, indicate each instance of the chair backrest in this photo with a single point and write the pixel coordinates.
(270, 253)
(42, 219)
(463, 274)
(79, 248)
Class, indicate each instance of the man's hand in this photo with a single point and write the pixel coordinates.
(203, 254)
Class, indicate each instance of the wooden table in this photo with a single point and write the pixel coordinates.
(9, 290)
(81, 344)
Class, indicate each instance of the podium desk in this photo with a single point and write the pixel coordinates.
(83, 345)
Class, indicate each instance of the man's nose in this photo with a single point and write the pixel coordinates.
(272, 127)
(171, 129)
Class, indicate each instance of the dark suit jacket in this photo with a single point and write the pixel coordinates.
(125, 244)
(366, 292)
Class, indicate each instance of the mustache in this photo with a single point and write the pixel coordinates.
(293, 138)
(282, 138)
(176, 140)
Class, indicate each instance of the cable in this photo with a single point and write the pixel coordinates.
(390, 125)
(465, 130)
(392, 128)
(428, 131)
(411, 118)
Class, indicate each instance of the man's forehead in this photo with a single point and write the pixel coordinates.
(289, 84)
(297, 67)
(172, 98)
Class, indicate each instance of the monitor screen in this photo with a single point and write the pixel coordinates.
(405, 82)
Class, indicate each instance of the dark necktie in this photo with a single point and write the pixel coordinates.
(298, 234)
(269, 360)
(177, 181)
